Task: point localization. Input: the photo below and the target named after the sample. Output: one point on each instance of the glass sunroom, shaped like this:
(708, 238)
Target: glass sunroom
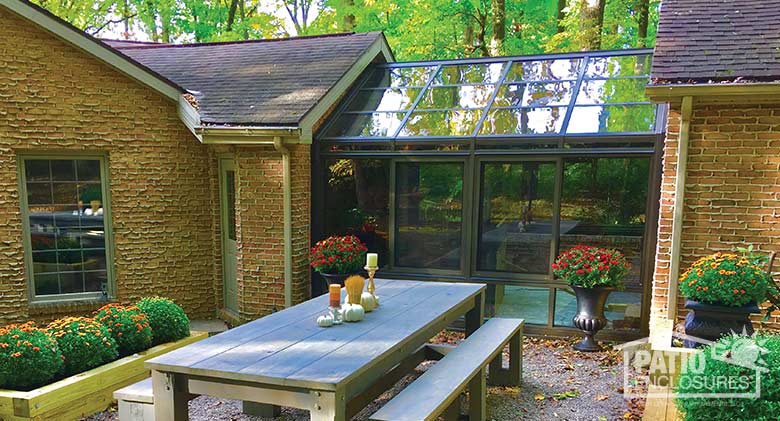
(481, 170)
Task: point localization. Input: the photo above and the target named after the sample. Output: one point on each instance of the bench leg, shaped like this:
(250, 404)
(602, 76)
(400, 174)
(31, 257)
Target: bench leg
(260, 409)
(328, 406)
(477, 396)
(499, 376)
(476, 315)
(170, 396)
(452, 413)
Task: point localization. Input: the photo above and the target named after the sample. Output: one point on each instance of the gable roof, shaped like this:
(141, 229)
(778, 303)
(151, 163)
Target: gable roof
(717, 41)
(264, 82)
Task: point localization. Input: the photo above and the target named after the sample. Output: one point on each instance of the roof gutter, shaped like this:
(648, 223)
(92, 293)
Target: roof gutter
(676, 92)
(246, 135)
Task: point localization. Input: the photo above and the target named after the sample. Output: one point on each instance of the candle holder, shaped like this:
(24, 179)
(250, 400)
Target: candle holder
(371, 271)
(335, 313)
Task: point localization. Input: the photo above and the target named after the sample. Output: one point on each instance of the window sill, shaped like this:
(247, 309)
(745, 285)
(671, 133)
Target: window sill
(79, 305)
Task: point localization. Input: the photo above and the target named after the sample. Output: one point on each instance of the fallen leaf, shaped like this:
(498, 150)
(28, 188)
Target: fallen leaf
(538, 397)
(601, 397)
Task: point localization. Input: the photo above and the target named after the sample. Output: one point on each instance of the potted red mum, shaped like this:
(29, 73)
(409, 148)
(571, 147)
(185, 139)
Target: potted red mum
(593, 273)
(722, 291)
(336, 258)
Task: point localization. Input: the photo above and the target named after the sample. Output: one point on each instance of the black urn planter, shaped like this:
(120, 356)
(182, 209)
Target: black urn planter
(711, 321)
(339, 278)
(590, 315)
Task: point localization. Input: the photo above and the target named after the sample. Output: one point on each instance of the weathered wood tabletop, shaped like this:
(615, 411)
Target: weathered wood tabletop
(286, 359)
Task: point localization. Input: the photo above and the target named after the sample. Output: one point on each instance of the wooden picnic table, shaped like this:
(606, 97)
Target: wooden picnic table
(285, 359)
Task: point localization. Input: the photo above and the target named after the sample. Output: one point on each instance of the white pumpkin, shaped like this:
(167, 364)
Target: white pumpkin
(368, 302)
(352, 312)
(325, 321)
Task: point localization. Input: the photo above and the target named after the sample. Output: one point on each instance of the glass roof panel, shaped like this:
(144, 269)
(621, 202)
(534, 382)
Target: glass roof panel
(387, 99)
(589, 92)
(465, 96)
(534, 94)
(612, 119)
(560, 69)
(366, 125)
(605, 67)
(469, 73)
(399, 76)
(513, 121)
(441, 123)
(600, 91)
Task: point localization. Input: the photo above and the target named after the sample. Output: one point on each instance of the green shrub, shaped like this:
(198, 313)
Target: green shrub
(725, 279)
(85, 343)
(714, 369)
(168, 321)
(128, 326)
(29, 357)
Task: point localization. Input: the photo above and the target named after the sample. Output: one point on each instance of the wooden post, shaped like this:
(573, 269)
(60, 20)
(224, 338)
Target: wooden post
(328, 406)
(170, 396)
(477, 393)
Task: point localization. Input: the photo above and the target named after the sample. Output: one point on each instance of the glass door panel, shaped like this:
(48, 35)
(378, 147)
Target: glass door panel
(516, 217)
(428, 214)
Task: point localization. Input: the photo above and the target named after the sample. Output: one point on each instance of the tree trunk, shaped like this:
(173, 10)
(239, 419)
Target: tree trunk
(349, 19)
(499, 27)
(232, 15)
(561, 15)
(644, 19)
(592, 20)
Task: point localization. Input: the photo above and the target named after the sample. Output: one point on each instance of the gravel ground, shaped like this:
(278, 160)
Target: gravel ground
(558, 384)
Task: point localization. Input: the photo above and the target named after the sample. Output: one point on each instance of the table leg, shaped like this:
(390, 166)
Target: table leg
(170, 396)
(476, 315)
(328, 406)
(263, 410)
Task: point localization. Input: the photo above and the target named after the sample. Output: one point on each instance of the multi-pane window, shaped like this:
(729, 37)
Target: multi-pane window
(65, 212)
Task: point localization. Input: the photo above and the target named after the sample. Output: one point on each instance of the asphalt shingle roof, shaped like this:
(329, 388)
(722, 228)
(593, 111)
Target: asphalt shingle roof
(706, 41)
(264, 82)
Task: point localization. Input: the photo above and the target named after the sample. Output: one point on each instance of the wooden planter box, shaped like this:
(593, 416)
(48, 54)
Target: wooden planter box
(85, 393)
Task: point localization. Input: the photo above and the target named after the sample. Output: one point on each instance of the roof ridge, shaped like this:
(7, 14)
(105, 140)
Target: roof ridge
(150, 45)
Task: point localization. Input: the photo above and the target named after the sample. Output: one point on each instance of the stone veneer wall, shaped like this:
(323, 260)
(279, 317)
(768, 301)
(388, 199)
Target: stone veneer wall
(733, 188)
(54, 97)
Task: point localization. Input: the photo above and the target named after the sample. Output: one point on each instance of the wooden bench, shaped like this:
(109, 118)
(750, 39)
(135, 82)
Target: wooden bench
(436, 392)
(136, 403)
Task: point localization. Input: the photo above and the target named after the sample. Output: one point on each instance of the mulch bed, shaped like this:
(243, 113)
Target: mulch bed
(558, 384)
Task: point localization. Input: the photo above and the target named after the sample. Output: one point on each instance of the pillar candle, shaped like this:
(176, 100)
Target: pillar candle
(372, 259)
(335, 295)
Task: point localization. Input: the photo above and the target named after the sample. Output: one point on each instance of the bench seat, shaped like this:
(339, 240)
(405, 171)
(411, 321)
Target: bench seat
(436, 391)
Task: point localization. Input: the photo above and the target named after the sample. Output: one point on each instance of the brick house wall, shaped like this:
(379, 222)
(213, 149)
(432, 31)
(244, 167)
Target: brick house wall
(260, 228)
(54, 97)
(732, 192)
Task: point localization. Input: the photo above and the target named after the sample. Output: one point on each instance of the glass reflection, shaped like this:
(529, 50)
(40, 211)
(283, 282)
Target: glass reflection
(441, 123)
(469, 73)
(509, 121)
(429, 215)
(606, 67)
(604, 204)
(399, 77)
(623, 309)
(612, 119)
(516, 217)
(445, 97)
(534, 94)
(528, 303)
(67, 234)
(366, 125)
(357, 201)
(389, 99)
(602, 91)
(562, 69)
